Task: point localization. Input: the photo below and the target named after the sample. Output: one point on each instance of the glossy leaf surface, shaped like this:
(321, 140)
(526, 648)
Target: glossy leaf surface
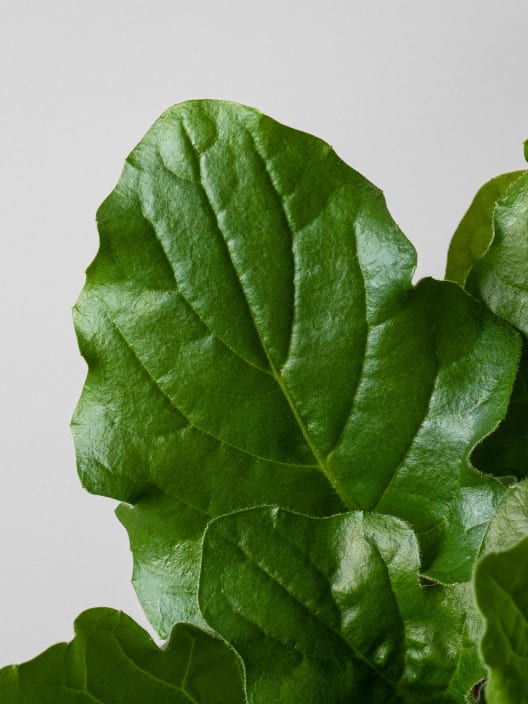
(500, 583)
(489, 250)
(112, 660)
(475, 232)
(500, 277)
(254, 338)
(331, 610)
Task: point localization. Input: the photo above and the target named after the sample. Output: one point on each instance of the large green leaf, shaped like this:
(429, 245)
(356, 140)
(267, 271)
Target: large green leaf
(254, 338)
(475, 233)
(112, 660)
(330, 610)
(502, 596)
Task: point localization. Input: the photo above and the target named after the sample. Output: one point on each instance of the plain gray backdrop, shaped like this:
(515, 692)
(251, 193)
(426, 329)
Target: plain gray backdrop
(428, 100)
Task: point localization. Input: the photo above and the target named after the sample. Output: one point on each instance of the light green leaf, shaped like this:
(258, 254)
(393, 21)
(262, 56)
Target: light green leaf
(254, 338)
(475, 232)
(502, 596)
(330, 610)
(112, 660)
(510, 522)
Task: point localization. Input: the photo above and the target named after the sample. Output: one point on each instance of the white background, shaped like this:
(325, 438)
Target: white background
(428, 100)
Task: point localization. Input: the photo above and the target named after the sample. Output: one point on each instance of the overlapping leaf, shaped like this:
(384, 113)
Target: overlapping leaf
(500, 277)
(475, 233)
(500, 583)
(253, 338)
(510, 522)
(111, 659)
(488, 254)
(330, 610)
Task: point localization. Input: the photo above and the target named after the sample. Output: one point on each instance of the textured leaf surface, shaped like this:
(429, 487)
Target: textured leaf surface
(112, 660)
(500, 277)
(510, 522)
(330, 610)
(490, 247)
(500, 583)
(253, 338)
(475, 233)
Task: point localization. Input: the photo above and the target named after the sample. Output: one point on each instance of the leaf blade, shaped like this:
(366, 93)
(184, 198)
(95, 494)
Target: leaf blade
(500, 585)
(328, 609)
(112, 659)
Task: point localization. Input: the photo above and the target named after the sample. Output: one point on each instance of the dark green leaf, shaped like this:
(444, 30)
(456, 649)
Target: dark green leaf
(330, 610)
(505, 452)
(254, 338)
(112, 660)
(502, 596)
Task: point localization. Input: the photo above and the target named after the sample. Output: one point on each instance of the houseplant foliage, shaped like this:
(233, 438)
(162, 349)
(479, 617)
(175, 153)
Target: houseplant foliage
(314, 457)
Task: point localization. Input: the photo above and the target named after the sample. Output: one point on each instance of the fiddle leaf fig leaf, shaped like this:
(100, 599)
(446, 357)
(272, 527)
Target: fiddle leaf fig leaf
(111, 659)
(253, 338)
(489, 254)
(330, 609)
(500, 584)
(475, 232)
(500, 277)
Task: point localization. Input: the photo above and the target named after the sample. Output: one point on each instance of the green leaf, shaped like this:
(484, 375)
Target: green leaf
(330, 610)
(490, 250)
(500, 277)
(500, 585)
(510, 522)
(475, 233)
(111, 660)
(253, 338)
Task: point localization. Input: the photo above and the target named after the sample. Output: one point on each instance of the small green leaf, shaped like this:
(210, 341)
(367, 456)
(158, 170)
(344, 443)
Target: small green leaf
(330, 610)
(500, 277)
(502, 596)
(475, 233)
(490, 250)
(111, 660)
